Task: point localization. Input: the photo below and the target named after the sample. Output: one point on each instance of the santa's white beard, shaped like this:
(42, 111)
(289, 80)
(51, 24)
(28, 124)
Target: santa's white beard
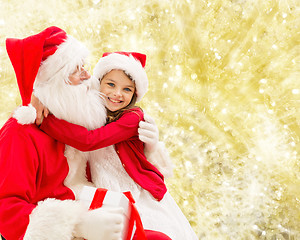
(80, 104)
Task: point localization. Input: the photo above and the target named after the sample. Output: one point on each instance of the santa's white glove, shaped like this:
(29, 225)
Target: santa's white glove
(148, 133)
(101, 224)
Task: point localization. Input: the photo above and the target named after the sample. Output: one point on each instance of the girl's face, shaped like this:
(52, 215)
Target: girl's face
(118, 89)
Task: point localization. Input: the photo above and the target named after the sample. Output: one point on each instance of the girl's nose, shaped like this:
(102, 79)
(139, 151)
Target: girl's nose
(117, 92)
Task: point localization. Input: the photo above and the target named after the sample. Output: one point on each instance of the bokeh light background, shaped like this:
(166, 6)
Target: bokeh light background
(224, 91)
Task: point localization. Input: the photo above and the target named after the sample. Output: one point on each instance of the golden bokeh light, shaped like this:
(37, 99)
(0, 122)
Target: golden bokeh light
(224, 90)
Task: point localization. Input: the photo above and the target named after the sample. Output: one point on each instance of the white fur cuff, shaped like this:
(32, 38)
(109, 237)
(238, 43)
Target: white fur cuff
(54, 219)
(161, 160)
(25, 114)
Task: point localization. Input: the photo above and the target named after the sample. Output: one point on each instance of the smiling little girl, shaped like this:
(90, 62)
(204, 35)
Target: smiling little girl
(123, 82)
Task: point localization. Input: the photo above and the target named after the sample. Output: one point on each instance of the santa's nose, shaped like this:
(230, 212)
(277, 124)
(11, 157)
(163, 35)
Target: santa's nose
(84, 74)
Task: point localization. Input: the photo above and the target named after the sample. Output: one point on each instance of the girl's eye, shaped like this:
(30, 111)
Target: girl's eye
(127, 89)
(111, 84)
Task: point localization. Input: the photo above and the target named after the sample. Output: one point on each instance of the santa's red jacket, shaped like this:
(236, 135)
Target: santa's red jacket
(32, 169)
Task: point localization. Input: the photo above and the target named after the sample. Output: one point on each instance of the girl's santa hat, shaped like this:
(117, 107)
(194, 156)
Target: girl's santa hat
(39, 58)
(132, 63)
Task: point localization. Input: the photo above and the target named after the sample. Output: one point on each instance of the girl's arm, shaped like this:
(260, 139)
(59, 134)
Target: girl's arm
(84, 140)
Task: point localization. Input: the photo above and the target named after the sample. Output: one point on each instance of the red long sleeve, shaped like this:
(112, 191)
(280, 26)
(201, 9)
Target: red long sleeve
(85, 140)
(122, 133)
(16, 193)
(32, 168)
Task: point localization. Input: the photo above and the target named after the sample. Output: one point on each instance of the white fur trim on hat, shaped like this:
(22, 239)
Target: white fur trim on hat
(129, 65)
(64, 61)
(25, 114)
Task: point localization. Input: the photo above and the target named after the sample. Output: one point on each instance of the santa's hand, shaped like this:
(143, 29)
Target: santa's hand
(148, 133)
(101, 224)
(41, 110)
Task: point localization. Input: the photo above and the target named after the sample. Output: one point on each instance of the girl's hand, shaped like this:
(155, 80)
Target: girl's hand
(41, 110)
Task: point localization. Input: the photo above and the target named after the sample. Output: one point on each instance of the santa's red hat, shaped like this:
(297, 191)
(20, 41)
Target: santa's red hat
(40, 57)
(132, 63)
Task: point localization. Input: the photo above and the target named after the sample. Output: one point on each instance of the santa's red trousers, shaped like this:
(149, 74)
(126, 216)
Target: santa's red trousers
(153, 235)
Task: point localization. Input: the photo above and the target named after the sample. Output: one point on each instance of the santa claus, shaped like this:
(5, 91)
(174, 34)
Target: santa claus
(42, 177)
